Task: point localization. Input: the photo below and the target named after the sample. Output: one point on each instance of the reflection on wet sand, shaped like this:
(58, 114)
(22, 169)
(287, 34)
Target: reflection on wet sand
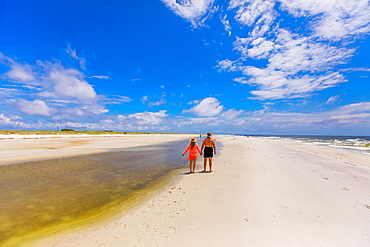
(39, 198)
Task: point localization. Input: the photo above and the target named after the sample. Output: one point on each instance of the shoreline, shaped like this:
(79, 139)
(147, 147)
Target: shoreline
(28, 147)
(261, 193)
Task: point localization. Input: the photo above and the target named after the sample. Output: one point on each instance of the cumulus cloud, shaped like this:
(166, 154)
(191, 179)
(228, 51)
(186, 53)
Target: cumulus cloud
(70, 83)
(66, 90)
(17, 72)
(13, 121)
(144, 118)
(35, 108)
(231, 114)
(194, 11)
(20, 72)
(207, 108)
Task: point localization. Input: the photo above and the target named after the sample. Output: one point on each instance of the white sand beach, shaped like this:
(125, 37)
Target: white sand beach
(262, 193)
(25, 147)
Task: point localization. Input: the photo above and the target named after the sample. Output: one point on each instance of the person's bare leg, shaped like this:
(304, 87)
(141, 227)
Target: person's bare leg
(194, 165)
(205, 164)
(210, 164)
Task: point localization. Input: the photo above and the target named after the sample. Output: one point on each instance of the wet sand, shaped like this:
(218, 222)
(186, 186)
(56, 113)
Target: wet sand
(261, 193)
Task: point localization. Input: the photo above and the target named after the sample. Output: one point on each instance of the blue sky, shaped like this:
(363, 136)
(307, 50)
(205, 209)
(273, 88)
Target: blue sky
(239, 66)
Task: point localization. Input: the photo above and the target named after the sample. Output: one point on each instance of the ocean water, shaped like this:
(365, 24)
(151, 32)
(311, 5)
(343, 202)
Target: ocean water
(43, 197)
(356, 144)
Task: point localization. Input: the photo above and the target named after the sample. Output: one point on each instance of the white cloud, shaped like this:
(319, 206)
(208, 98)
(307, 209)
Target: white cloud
(66, 89)
(348, 119)
(101, 77)
(242, 80)
(339, 18)
(8, 92)
(333, 99)
(73, 54)
(194, 102)
(13, 121)
(288, 56)
(229, 65)
(207, 108)
(226, 24)
(66, 113)
(231, 114)
(69, 83)
(35, 108)
(258, 14)
(194, 11)
(161, 101)
(356, 69)
(144, 118)
(301, 60)
(256, 48)
(356, 108)
(277, 85)
(21, 73)
(115, 99)
(294, 53)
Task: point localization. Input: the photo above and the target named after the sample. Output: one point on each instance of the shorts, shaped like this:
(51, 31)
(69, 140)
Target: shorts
(208, 152)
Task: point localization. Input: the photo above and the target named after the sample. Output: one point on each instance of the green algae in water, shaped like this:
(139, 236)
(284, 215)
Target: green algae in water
(41, 197)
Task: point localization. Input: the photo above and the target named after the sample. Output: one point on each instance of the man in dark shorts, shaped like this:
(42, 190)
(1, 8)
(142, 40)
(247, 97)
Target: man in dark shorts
(209, 148)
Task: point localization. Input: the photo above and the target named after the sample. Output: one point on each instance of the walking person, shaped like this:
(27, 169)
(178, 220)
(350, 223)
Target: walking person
(193, 149)
(209, 146)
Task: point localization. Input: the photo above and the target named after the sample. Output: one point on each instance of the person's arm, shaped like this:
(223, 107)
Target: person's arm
(187, 149)
(199, 150)
(214, 146)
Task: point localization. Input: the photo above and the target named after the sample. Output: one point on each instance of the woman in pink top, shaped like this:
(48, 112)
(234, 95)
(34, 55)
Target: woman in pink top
(193, 154)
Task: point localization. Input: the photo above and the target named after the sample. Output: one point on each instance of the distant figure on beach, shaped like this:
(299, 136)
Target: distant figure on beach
(209, 148)
(193, 149)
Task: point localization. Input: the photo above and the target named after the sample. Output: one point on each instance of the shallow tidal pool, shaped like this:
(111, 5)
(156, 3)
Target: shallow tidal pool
(44, 197)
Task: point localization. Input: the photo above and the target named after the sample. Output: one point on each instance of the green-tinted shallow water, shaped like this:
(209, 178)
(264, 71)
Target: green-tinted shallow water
(40, 198)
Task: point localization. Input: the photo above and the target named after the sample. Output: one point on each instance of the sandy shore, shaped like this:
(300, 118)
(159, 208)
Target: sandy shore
(25, 147)
(261, 193)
